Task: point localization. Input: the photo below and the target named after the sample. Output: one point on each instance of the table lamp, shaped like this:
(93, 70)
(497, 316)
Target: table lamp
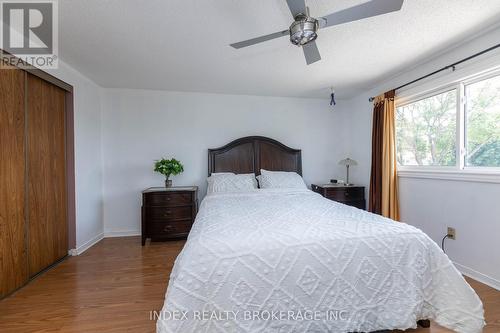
(348, 162)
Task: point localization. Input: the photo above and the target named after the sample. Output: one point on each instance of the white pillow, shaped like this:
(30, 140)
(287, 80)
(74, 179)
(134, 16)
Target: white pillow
(280, 179)
(230, 182)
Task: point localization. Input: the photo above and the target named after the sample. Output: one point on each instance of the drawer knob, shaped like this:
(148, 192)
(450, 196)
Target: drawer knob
(346, 193)
(167, 213)
(167, 228)
(168, 198)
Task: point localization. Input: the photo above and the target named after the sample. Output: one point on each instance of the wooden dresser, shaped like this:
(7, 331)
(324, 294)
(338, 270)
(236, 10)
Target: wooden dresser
(168, 213)
(349, 195)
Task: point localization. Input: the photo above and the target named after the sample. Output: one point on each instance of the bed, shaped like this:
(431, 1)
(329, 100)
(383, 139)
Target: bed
(289, 260)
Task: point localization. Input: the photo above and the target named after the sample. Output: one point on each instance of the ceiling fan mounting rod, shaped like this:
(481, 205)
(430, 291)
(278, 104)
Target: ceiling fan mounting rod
(300, 17)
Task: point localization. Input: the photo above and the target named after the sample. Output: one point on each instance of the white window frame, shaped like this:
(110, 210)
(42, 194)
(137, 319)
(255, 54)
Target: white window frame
(417, 98)
(460, 171)
(469, 81)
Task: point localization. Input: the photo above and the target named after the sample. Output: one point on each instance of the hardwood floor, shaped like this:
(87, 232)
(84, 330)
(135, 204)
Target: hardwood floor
(113, 287)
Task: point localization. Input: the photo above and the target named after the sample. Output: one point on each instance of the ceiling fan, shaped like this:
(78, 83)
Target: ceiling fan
(304, 30)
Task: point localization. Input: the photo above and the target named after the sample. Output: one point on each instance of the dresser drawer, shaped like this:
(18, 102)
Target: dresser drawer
(345, 194)
(168, 199)
(169, 213)
(169, 229)
(361, 204)
(349, 195)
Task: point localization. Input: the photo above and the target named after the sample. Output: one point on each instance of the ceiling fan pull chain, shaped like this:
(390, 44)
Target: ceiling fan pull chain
(332, 101)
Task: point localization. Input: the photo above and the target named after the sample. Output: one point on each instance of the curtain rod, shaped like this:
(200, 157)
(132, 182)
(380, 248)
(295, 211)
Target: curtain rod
(452, 66)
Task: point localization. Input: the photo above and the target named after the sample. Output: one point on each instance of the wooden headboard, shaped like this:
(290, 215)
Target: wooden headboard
(252, 153)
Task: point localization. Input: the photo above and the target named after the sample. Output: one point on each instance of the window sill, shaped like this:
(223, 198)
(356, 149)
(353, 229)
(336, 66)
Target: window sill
(453, 175)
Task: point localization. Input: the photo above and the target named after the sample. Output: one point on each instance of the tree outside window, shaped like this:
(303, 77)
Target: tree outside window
(483, 123)
(426, 129)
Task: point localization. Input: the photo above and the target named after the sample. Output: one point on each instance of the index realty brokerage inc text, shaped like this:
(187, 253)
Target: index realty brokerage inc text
(331, 315)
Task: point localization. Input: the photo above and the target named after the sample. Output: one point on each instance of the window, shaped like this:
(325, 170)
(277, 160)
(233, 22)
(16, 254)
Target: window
(456, 127)
(482, 123)
(426, 131)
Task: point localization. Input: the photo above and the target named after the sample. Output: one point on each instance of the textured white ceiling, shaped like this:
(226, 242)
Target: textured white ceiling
(182, 45)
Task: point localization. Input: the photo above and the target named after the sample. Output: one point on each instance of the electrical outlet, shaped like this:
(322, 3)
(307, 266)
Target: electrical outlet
(451, 233)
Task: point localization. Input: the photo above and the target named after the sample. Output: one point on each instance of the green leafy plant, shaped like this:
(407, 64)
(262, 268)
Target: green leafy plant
(168, 167)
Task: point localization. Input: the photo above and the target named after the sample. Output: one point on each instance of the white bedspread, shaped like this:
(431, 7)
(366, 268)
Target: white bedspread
(292, 261)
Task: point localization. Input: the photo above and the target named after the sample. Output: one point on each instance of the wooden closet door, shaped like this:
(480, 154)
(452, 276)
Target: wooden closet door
(46, 169)
(13, 264)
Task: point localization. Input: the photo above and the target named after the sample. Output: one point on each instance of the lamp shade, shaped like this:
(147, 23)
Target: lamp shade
(348, 162)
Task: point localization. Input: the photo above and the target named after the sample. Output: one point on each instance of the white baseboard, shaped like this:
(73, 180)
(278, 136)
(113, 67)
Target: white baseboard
(469, 272)
(122, 233)
(85, 246)
(108, 234)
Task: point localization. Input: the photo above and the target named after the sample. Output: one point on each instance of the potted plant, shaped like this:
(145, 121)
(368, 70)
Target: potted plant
(168, 168)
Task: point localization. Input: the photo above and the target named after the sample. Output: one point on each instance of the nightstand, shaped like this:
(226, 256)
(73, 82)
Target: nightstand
(349, 195)
(168, 213)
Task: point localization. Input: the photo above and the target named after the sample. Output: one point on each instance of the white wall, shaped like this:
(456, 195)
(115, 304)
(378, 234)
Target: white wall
(141, 126)
(88, 162)
(472, 208)
(429, 204)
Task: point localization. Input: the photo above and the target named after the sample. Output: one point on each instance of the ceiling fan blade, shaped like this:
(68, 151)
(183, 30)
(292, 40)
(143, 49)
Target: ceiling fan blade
(311, 52)
(297, 7)
(260, 39)
(365, 10)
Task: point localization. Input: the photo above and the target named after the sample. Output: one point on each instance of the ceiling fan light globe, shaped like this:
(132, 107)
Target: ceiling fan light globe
(303, 37)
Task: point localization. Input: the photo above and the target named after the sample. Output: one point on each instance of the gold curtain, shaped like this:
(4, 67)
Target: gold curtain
(383, 180)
